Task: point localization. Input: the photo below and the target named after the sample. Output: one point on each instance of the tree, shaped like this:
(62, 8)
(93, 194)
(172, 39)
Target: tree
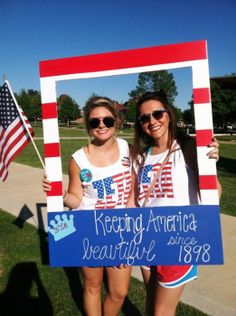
(30, 101)
(68, 109)
(188, 114)
(223, 105)
(155, 81)
(130, 110)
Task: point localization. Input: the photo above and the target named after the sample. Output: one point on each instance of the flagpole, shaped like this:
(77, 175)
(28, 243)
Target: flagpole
(25, 125)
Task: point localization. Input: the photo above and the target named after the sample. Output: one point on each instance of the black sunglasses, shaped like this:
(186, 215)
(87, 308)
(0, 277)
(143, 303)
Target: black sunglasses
(157, 115)
(108, 121)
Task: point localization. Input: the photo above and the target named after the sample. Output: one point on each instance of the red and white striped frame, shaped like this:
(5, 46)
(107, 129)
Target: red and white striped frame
(192, 54)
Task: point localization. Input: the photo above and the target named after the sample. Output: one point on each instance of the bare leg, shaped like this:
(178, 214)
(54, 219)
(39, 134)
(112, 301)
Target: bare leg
(118, 285)
(149, 282)
(92, 278)
(166, 300)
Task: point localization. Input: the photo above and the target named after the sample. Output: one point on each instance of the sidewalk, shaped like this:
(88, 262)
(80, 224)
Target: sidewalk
(213, 293)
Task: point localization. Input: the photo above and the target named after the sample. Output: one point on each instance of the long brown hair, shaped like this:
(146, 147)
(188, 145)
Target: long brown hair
(143, 141)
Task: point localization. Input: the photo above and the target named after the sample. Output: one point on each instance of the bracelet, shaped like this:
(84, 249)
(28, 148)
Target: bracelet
(64, 194)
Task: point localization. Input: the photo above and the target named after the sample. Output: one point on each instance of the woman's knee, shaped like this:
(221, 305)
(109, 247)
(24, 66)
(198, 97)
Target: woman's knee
(92, 286)
(119, 293)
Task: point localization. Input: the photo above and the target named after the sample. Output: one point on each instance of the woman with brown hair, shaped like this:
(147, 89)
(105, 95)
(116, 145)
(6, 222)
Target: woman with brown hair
(165, 161)
(100, 178)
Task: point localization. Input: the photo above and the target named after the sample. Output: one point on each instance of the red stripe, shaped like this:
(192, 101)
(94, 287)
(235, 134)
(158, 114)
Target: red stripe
(13, 144)
(52, 150)
(56, 189)
(18, 151)
(204, 137)
(49, 110)
(14, 154)
(201, 95)
(8, 143)
(125, 59)
(11, 130)
(207, 182)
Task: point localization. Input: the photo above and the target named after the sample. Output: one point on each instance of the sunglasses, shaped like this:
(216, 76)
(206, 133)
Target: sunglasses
(108, 121)
(157, 115)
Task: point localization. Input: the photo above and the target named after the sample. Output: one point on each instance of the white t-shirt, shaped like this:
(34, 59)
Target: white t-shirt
(105, 187)
(176, 185)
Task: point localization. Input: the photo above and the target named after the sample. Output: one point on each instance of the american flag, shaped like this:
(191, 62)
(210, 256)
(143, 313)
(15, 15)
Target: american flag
(13, 134)
(163, 187)
(120, 194)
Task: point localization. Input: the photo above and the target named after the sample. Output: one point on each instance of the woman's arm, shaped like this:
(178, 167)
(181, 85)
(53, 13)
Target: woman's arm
(73, 196)
(190, 152)
(214, 154)
(132, 200)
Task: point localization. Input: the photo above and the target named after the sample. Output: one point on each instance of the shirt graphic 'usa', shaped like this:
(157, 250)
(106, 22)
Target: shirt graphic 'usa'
(164, 185)
(113, 191)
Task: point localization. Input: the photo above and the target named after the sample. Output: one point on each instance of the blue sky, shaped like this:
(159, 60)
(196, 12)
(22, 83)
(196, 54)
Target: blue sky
(33, 30)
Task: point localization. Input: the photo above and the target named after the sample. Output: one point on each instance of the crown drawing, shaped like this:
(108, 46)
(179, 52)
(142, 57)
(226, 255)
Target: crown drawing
(62, 226)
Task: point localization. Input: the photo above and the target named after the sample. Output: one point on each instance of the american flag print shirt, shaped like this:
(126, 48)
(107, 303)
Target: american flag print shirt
(176, 184)
(105, 187)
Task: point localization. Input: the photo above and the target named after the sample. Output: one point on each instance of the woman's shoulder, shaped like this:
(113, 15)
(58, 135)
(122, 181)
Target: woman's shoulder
(121, 141)
(80, 153)
(123, 144)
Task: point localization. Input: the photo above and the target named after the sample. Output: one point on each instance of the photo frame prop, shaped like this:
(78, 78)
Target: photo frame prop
(193, 55)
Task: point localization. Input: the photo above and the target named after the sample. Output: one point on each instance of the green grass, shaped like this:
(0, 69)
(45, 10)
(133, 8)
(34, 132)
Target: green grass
(28, 283)
(74, 131)
(227, 175)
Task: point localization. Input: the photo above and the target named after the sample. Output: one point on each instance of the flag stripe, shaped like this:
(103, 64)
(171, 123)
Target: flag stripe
(13, 133)
(8, 138)
(14, 147)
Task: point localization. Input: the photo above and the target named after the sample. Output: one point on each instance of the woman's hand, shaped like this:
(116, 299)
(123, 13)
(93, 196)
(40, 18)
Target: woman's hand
(47, 187)
(46, 184)
(214, 153)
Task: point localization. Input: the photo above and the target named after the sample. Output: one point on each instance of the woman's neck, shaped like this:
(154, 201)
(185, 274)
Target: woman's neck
(103, 145)
(160, 145)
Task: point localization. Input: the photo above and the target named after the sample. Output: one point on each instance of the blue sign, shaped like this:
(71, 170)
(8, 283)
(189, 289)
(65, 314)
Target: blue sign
(178, 235)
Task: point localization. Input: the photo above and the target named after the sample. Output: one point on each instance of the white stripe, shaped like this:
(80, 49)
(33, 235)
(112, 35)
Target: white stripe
(55, 204)
(200, 74)
(206, 166)
(48, 90)
(50, 131)
(12, 138)
(15, 148)
(203, 116)
(10, 128)
(169, 285)
(209, 197)
(4, 172)
(53, 168)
